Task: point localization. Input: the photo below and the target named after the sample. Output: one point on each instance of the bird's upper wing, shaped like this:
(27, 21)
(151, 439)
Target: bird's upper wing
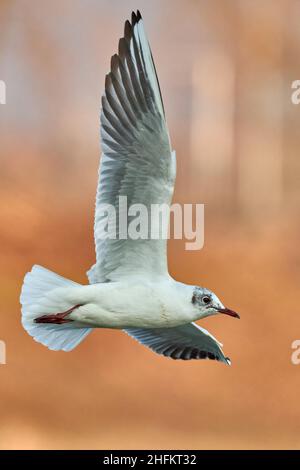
(137, 161)
(181, 342)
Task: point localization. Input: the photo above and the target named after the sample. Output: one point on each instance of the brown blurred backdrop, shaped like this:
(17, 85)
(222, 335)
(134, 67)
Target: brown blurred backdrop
(225, 69)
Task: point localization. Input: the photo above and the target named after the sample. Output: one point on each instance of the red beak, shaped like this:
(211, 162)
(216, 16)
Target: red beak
(227, 311)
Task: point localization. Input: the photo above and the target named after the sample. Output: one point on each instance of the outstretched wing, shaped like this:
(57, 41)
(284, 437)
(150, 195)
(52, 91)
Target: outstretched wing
(137, 161)
(181, 342)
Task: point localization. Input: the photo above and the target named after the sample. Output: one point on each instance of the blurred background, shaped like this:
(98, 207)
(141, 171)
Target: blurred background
(225, 69)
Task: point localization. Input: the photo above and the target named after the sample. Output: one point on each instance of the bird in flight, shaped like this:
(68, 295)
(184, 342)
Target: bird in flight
(129, 287)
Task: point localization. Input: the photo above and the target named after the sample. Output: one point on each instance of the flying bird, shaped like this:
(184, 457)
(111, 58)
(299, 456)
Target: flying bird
(129, 287)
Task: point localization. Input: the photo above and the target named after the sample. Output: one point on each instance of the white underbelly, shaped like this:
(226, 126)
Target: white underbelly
(130, 306)
(97, 316)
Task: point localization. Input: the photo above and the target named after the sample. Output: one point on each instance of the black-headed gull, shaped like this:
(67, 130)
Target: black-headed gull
(130, 287)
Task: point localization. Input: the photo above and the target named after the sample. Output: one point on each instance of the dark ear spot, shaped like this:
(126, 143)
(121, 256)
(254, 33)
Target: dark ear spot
(194, 298)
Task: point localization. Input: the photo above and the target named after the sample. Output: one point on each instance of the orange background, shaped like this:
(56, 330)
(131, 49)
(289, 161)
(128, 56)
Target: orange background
(225, 70)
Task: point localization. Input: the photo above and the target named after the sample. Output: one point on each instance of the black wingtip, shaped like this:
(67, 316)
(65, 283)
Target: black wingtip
(127, 30)
(134, 19)
(107, 81)
(114, 63)
(122, 47)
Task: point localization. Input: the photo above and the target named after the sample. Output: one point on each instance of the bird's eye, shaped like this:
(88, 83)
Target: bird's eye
(206, 299)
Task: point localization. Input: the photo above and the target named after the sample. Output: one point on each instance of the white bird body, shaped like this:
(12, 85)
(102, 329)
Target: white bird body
(134, 303)
(130, 286)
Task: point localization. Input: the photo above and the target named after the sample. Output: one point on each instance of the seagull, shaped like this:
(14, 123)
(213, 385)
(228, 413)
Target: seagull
(129, 288)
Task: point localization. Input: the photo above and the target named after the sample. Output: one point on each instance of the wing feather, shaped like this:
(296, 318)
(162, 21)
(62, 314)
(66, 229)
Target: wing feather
(137, 161)
(182, 342)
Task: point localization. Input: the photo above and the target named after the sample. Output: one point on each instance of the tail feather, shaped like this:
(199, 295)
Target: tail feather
(35, 300)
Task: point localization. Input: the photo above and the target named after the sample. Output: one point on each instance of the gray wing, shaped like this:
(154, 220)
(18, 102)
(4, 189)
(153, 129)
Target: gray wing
(181, 342)
(137, 161)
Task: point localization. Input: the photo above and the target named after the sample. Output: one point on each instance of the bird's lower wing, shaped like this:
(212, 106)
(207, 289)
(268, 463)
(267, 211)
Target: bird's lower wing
(180, 342)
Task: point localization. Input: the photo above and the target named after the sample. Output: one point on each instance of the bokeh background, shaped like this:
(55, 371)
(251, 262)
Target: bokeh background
(226, 69)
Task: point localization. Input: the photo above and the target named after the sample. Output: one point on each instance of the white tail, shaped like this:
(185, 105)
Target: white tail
(37, 283)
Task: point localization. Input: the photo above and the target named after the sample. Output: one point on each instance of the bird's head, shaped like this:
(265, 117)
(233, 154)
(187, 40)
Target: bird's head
(207, 303)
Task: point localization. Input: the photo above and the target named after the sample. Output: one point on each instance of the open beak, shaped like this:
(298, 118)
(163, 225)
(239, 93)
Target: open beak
(227, 311)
